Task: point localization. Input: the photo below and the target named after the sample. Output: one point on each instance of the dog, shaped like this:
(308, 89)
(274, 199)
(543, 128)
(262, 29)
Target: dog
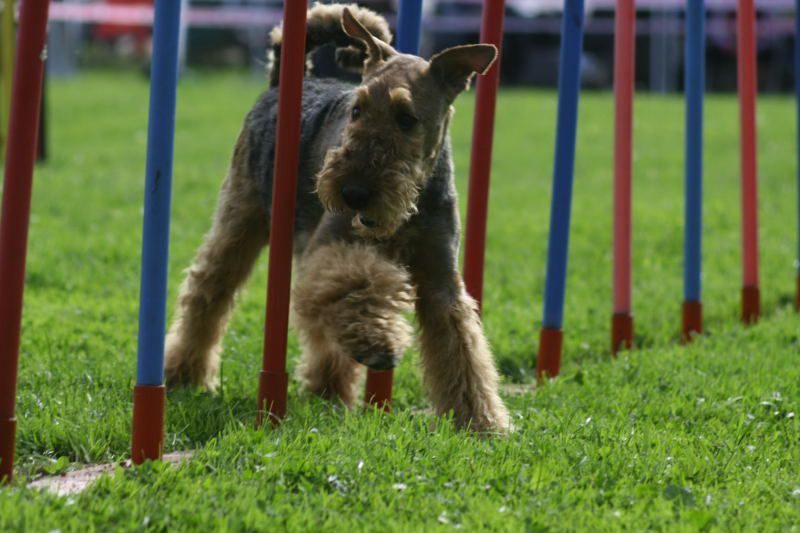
(376, 227)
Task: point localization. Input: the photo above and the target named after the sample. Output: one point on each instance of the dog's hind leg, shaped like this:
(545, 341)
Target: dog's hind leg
(348, 308)
(222, 264)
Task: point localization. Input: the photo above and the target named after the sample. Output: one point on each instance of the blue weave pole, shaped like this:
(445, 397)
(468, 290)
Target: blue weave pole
(797, 92)
(158, 192)
(409, 23)
(563, 172)
(694, 76)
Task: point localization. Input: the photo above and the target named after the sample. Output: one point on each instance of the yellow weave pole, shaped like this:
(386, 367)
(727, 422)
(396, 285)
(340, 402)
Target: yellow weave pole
(7, 43)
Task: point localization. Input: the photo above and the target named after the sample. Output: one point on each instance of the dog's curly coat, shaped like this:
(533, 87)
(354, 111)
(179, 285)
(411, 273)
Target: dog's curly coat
(376, 229)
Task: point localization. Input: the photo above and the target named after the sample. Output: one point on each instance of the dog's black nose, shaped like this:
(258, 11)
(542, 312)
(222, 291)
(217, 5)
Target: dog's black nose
(355, 197)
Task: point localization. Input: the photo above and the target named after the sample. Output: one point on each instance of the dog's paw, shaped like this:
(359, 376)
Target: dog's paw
(377, 359)
(491, 418)
(176, 376)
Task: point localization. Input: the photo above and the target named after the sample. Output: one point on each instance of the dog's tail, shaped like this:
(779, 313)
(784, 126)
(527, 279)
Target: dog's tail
(324, 25)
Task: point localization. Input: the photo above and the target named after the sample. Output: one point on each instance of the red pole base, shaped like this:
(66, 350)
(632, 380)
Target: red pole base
(621, 332)
(273, 389)
(751, 305)
(8, 430)
(548, 362)
(692, 320)
(797, 295)
(147, 442)
(379, 389)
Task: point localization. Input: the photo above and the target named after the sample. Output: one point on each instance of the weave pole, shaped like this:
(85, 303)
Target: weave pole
(149, 394)
(273, 380)
(797, 94)
(16, 209)
(694, 85)
(6, 67)
(746, 52)
(378, 389)
(41, 140)
(480, 167)
(624, 79)
(548, 361)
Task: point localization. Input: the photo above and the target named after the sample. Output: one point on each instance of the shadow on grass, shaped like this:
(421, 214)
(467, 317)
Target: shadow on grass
(195, 417)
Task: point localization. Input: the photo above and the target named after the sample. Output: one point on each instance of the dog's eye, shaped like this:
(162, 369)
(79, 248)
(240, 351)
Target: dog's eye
(405, 121)
(355, 113)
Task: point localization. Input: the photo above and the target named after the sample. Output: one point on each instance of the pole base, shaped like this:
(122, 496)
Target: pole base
(548, 361)
(751, 305)
(273, 389)
(8, 431)
(147, 442)
(621, 332)
(379, 389)
(692, 320)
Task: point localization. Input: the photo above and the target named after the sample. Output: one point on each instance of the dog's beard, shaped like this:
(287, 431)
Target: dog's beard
(396, 195)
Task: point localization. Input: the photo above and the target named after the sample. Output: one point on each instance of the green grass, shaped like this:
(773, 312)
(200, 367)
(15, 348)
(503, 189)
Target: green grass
(666, 437)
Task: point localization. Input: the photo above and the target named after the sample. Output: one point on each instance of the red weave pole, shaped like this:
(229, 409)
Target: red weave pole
(273, 382)
(548, 360)
(17, 186)
(378, 389)
(624, 69)
(746, 39)
(692, 323)
(481, 155)
(147, 439)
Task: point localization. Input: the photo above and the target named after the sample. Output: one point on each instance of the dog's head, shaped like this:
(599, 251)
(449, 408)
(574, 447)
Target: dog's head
(397, 126)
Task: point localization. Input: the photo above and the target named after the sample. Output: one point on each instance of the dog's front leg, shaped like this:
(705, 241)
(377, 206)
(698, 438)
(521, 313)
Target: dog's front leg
(457, 364)
(348, 307)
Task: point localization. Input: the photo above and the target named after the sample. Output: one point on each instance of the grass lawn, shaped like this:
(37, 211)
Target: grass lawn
(666, 437)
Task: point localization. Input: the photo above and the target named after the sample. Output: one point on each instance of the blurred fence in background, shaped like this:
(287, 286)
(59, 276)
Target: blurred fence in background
(220, 33)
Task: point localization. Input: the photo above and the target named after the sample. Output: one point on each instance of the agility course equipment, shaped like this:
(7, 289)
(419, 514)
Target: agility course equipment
(694, 81)
(149, 393)
(15, 217)
(274, 381)
(797, 110)
(548, 361)
(746, 54)
(409, 21)
(624, 68)
(480, 167)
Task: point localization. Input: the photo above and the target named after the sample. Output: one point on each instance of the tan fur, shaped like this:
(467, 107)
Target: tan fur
(395, 163)
(222, 264)
(348, 305)
(400, 96)
(458, 369)
(355, 283)
(375, 153)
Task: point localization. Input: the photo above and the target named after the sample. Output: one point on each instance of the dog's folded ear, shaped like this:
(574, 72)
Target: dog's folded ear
(454, 67)
(377, 50)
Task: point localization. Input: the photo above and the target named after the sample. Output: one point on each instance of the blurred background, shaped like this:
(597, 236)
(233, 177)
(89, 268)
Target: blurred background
(234, 34)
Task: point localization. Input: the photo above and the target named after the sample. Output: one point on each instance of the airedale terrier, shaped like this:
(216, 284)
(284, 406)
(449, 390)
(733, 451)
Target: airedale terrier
(376, 230)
